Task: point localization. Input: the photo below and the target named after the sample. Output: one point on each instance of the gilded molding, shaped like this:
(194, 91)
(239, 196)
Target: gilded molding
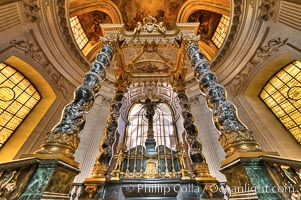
(261, 54)
(149, 25)
(60, 181)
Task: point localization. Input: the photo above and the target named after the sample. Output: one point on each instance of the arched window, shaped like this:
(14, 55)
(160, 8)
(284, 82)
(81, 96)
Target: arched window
(17, 98)
(282, 94)
(78, 32)
(221, 31)
(164, 132)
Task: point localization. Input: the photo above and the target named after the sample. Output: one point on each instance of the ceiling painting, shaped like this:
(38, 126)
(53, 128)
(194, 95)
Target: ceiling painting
(90, 22)
(208, 23)
(134, 11)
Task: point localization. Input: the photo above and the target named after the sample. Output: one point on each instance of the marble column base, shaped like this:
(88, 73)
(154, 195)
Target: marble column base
(246, 173)
(151, 189)
(51, 180)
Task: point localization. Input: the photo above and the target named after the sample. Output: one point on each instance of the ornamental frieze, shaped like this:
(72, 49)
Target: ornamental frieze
(31, 10)
(261, 54)
(33, 51)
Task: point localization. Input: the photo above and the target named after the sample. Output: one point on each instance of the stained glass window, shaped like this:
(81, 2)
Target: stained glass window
(282, 94)
(79, 34)
(164, 133)
(17, 98)
(220, 32)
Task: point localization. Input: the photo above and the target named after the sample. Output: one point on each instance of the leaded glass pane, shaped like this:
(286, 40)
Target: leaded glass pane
(164, 132)
(282, 94)
(78, 32)
(220, 32)
(17, 98)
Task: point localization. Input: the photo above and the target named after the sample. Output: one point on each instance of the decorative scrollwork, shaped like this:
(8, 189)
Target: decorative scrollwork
(286, 174)
(261, 54)
(31, 10)
(28, 48)
(149, 25)
(8, 182)
(267, 9)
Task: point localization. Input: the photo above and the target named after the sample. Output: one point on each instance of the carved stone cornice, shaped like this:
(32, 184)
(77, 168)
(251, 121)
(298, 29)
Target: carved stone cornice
(53, 34)
(31, 10)
(29, 49)
(243, 37)
(266, 9)
(261, 54)
(33, 51)
(183, 30)
(76, 8)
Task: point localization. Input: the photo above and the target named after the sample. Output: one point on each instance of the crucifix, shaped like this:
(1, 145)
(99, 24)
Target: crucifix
(150, 142)
(149, 114)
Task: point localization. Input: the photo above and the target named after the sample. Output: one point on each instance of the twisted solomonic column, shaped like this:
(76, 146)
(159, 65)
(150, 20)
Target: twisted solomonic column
(101, 165)
(64, 137)
(199, 165)
(235, 136)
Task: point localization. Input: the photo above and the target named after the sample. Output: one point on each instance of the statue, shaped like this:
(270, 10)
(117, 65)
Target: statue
(181, 156)
(119, 161)
(149, 106)
(149, 24)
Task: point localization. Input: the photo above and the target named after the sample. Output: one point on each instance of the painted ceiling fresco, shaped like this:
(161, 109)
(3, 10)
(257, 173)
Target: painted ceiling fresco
(90, 22)
(208, 23)
(134, 11)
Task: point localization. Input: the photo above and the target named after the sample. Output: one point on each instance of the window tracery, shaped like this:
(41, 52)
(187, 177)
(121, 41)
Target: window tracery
(17, 98)
(282, 94)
